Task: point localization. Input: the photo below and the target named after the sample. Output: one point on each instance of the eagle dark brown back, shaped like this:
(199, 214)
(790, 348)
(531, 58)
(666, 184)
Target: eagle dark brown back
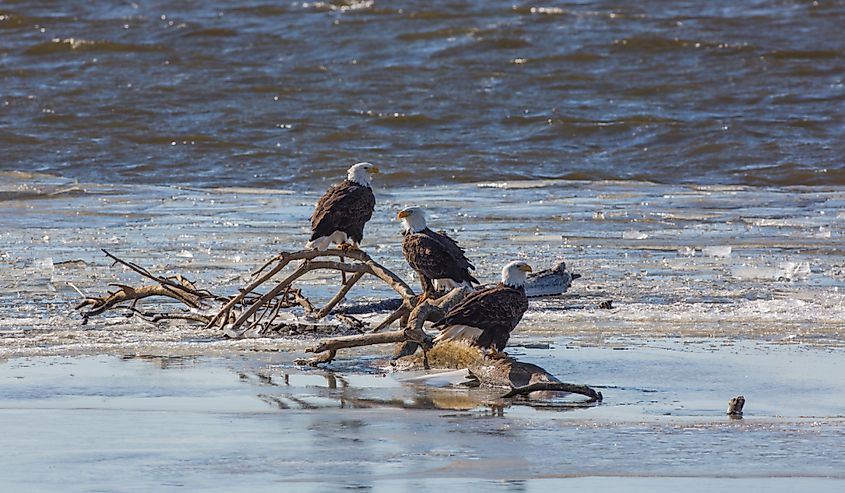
(436, 256)
(496, 311)
(345, 207)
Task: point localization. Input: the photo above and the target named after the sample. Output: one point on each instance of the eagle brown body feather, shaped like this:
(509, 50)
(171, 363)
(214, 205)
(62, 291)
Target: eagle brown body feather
(434, 255)
(346, 206)
(495, 311)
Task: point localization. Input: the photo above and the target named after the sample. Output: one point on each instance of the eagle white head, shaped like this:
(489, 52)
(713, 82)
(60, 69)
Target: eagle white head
(360, 173)
(515, 273)
(413, 219)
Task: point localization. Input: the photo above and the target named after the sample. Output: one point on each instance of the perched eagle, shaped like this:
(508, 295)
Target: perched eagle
(486, 317)
(437, 259)
(343, 210)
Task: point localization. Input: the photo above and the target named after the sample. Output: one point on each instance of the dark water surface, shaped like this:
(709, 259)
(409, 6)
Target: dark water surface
(258, 93)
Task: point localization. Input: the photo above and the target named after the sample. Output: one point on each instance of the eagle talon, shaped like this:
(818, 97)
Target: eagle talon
(347, 247)
(424, 297)
(496, 354)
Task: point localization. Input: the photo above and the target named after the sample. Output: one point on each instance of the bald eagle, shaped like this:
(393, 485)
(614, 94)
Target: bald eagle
(343, 210)
(437, 259)
(486, 317)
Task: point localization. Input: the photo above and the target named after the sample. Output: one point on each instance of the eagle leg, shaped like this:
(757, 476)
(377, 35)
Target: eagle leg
(347, 246)
(495, 354)
(428, 292)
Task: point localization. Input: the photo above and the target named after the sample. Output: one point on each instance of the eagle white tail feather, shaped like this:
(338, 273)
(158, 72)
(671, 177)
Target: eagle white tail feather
(448, 284)
(459, 333)
(322, 243)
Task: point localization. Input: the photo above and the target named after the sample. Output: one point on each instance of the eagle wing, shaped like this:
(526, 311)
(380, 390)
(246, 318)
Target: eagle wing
(346, 206)
(496, 311)
(452, 248)
(430, 258)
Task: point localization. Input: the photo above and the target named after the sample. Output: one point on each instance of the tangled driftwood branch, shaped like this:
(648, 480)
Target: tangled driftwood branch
(236, 325)
(258, 313)
(176, 287)
(250, 310)
(412, 335)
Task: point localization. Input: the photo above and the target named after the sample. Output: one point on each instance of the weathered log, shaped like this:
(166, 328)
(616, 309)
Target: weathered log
(521, 378)
(347, 342)
(735, 406)
(556, 387)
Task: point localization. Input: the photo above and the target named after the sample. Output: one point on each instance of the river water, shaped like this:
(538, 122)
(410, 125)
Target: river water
(266, 93)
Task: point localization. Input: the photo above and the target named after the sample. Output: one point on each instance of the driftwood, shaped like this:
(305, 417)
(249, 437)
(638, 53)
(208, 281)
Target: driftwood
(555, 387)
(735, 406)
(237, 325)
(176, 287)
(252, 312)
(521, 378)
(413, 335)
(249, 311)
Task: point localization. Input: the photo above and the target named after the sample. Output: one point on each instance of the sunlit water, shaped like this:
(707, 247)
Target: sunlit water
(261, 92)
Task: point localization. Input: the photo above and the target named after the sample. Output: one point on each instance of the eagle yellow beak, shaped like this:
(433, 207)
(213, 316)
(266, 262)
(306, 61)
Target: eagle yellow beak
(374, 170)
(525, 268)
(403, 214)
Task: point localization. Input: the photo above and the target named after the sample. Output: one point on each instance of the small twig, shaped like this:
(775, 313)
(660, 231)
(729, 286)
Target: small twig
(301, 300)
(128, 293)
(77, 290)
(352, 322)
(157, 316)
(184, 285)
(277, 258)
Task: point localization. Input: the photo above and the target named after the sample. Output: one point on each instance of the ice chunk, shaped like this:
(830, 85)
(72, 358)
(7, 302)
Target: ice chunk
(751, 272)
(633, 234)
(784, 271)
(550, 282)
(791, 271)
(717, 251)
(687, 251)
(822, 233)
(44, 264)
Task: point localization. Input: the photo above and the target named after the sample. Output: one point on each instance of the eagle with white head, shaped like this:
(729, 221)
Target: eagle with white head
(343, 210)
(486, 317)
(436, 258)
